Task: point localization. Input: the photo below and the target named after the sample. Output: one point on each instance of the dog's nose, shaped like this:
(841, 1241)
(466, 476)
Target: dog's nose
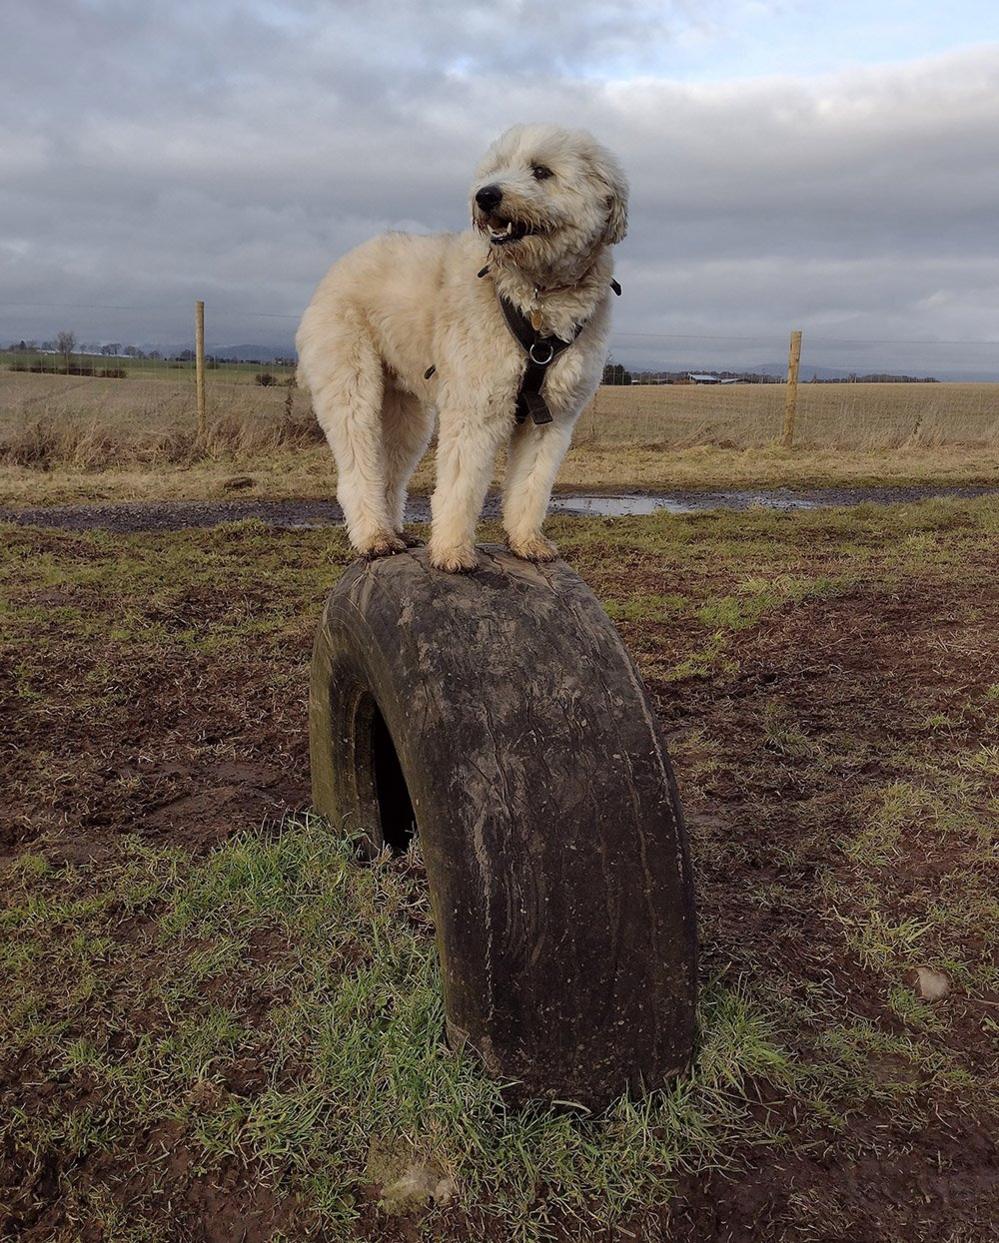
(489, 197)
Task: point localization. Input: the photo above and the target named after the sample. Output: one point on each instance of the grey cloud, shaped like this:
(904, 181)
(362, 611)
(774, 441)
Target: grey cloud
(231, 152)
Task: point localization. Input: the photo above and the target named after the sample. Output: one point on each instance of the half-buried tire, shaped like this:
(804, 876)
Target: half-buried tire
(499, 715)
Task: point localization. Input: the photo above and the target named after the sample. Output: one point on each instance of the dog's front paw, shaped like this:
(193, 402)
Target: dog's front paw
(535, 548)
(458, 560)
(383, 545)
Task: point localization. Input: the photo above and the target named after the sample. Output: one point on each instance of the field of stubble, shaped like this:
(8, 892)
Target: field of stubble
(79, 438)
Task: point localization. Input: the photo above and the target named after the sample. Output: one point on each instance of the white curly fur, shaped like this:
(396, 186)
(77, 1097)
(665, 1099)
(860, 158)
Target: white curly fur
(400, 303)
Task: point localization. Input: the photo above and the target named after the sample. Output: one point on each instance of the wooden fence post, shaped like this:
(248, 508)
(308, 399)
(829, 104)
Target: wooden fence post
(199, 364)
(791, 394)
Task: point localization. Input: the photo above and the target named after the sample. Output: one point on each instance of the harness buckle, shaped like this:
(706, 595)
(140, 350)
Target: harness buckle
(541, 362)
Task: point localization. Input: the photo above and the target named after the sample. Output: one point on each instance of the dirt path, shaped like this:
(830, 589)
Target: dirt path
(308, 514)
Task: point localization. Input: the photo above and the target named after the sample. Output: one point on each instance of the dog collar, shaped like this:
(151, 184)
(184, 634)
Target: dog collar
(615, 285)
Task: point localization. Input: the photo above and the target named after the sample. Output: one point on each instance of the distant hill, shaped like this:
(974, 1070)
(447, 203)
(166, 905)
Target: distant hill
(779, 370)
(283, 351)
(230, 353)
(252, 353)
(807, 371)
(833, 373)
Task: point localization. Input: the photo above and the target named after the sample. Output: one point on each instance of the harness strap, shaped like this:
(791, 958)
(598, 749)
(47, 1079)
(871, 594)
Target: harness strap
(541, 353)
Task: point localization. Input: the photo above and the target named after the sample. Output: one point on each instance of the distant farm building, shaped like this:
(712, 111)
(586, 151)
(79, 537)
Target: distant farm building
(701, 377)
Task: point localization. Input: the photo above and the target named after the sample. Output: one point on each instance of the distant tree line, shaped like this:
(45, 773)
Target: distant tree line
(36, 358)
(614, 373)
(683, 377)
(875, 377)
(63, 355)
(65, 347)
(65, 344)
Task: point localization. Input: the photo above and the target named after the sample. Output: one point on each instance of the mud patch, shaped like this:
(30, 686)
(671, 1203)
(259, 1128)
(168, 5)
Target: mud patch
(312, 514)
(835, 754)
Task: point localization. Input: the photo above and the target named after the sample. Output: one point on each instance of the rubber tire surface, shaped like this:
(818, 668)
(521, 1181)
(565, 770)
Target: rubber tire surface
(547, 812)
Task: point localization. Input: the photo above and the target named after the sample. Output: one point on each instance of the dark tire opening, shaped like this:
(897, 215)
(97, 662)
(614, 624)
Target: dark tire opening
(395, 810)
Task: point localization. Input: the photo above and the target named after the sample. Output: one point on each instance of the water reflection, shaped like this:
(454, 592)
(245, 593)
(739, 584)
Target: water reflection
(628, 505)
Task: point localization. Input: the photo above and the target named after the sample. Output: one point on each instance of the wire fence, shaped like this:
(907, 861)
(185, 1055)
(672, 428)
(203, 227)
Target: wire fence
(662, 389)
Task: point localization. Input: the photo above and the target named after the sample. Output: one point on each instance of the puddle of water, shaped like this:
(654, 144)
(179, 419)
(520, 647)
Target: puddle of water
(314, 515)
(627, 506)
(623, 504)
(616, 506)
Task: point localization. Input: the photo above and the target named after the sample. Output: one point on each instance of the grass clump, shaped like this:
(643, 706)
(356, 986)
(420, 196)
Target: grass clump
(279, 950)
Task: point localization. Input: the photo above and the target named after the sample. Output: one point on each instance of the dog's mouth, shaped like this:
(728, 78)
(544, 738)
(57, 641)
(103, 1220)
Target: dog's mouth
(501, 231)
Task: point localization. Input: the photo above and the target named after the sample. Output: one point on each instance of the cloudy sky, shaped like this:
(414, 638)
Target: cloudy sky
(829, 166)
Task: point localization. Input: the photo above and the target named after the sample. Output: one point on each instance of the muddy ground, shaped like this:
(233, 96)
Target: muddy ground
(156, 692)
(289, 515)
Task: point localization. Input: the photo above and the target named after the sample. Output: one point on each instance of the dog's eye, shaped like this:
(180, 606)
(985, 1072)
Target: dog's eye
(541, 173)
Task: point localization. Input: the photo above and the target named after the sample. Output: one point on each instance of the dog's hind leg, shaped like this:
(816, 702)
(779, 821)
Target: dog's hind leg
(535, 456)
(408, 427)
(347, 398)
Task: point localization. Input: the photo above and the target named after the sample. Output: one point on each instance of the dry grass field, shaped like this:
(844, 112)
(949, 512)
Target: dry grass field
(78, 437)
(870, 417)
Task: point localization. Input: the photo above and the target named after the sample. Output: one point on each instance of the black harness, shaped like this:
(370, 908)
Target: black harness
(541, 352)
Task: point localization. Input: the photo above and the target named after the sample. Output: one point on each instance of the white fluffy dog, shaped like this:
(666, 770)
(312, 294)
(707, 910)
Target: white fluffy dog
(405, 327)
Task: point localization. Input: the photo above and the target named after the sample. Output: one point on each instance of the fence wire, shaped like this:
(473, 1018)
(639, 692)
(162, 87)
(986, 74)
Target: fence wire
(662, 389)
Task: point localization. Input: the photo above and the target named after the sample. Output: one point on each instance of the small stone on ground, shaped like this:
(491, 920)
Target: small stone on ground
(932, 985)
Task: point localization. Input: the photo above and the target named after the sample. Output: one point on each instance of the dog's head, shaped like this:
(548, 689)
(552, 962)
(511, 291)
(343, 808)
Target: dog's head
(545, 196)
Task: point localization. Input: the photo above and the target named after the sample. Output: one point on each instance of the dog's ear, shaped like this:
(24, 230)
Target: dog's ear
(611, 175)
(617, 203)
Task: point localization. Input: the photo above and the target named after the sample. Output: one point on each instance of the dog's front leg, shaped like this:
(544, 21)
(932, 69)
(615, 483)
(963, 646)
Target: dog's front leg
(536, 453)
(467, 441)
